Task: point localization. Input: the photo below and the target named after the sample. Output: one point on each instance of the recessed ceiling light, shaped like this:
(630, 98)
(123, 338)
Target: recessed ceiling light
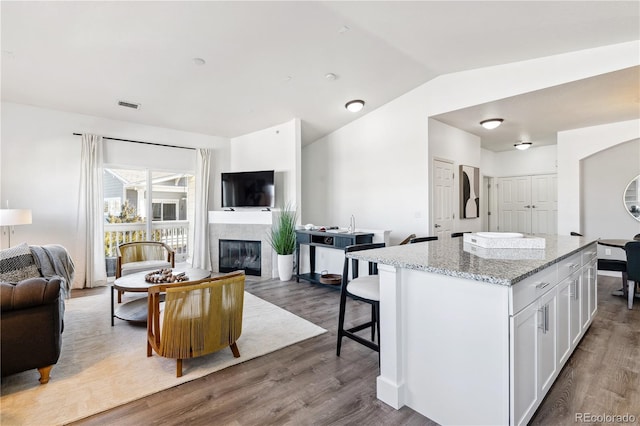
(330, 76)
(355, 105)
(491, 123)
(522, 145)
(199, 61)
(344, 29)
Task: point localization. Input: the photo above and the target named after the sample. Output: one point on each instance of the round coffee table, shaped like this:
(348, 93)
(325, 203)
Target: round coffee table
(136, 310)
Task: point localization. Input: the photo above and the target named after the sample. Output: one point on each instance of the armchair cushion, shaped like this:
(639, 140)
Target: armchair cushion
(144, 265)
(17, 264)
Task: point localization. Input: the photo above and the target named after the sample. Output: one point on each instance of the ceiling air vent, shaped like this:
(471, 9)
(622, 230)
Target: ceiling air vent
(129, 104)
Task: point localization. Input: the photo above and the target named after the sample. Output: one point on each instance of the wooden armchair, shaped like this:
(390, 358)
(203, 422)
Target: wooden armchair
(198, 317)
(138, 256)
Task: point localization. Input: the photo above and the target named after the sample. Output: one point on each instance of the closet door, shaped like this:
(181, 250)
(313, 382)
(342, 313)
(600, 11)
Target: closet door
(544, 204)
(515, 204)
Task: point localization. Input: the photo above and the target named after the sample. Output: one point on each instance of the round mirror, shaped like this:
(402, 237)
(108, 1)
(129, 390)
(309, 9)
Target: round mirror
(632, 198)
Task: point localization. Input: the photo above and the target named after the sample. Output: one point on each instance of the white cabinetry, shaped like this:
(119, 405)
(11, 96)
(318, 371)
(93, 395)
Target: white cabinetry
(559, 305)
(524, 379)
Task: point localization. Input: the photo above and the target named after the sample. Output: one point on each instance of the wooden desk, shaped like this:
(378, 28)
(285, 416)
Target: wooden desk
(327, 239)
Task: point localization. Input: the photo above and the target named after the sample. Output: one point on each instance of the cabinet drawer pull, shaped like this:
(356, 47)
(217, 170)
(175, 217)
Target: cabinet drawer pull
(589, 253)
(572, 265)
(544, 311)
(542, 285)
(574, 290)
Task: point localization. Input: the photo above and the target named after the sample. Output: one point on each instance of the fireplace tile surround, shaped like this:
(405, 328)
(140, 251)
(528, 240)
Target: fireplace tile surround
(242, 225)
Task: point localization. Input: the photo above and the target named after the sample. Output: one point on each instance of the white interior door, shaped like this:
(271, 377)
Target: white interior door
(442, 198)
(515, 204)
(544, 204)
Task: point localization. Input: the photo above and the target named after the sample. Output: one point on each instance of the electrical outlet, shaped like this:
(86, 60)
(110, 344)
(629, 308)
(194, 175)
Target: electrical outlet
(607, 251)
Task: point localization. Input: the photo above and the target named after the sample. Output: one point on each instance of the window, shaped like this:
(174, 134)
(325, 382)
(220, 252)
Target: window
(131, 216)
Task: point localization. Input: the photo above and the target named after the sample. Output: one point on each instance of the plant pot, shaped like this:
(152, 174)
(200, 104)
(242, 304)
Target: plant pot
(110, 266)
(285, 266)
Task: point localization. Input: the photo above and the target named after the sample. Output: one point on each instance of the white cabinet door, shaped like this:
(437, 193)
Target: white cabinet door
(563, 321)
(524, 365)
(585, 313)
(575, 324)
(593, 287)
(547, 353)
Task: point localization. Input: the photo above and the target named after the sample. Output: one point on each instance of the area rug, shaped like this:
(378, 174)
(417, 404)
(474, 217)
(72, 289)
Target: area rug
(102, 366)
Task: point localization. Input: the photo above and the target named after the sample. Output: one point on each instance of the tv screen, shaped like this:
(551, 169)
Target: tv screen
(248, 189)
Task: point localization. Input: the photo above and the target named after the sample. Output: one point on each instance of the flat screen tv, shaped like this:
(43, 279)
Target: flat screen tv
(248, 189)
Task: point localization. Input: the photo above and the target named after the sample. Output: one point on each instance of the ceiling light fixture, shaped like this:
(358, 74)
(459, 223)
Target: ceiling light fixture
(355, 105)
(522, 145)
(491, 123)
(330, 76)
(199, 61)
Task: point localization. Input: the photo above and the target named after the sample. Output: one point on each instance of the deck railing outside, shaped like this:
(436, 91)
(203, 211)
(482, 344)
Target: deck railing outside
(175, 233)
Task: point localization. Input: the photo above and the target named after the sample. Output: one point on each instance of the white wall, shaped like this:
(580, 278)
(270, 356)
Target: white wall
(604, 176)
(377, 167)
(462, 148)
(374, 168)
(533, 161)
(41, 166)
(276, 148)
(575, 145)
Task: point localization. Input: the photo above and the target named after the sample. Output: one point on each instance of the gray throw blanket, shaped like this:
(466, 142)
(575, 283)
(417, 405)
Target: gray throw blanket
(54, 259)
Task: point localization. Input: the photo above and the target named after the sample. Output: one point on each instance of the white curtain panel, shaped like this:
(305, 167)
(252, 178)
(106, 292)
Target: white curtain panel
(91, 214)
(201, 257)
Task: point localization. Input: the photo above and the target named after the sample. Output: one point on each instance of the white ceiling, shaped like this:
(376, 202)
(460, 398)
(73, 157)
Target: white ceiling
(266, 61)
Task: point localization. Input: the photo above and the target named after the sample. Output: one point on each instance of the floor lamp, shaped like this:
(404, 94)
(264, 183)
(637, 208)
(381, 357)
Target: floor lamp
(12, 217)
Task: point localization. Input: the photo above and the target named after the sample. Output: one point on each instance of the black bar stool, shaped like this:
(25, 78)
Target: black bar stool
(365, 289)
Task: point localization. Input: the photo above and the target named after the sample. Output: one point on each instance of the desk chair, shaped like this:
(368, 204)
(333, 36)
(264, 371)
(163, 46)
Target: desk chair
(365, 289)
(422, 239)
(632, 249)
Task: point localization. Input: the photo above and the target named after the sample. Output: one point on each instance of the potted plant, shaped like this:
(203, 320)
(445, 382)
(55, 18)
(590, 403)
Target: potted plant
(283, 240)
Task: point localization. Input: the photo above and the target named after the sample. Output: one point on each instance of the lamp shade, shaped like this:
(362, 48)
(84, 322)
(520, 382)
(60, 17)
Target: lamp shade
(10, 217)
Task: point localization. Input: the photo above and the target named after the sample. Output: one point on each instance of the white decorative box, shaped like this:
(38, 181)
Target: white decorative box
(512, 240)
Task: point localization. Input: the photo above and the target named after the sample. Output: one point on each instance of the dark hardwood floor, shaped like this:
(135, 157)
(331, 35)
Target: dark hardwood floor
(306, 384)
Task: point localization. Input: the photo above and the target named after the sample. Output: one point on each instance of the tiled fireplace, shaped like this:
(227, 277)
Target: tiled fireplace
(241, 227)
(234, 255)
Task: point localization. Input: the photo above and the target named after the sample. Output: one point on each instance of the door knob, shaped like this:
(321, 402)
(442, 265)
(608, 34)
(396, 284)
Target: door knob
(436, 226)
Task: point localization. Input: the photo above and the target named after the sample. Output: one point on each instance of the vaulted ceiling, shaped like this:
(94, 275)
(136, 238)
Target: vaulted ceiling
(267, 62)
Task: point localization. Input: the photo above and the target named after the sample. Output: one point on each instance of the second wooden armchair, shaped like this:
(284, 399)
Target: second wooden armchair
(198, 318)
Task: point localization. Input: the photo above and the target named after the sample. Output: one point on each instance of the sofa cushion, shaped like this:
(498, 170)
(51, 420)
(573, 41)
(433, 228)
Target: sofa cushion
(145, 265)
(17, 264)
(29, 293)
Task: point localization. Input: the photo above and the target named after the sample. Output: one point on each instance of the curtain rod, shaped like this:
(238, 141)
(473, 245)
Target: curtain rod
(144, 143)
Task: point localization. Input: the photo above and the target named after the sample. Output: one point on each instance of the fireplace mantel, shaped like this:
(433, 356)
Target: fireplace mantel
(256, 217)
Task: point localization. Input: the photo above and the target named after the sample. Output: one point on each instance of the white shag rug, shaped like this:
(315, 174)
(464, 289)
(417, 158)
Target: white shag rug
(101, 367)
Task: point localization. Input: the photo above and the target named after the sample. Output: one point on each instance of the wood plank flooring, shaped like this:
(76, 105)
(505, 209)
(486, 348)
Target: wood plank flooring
(306, 384)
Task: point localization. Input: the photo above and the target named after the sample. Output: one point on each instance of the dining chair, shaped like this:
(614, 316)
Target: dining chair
(406, 240)
(365, 289)
(197, 318)
(459, 234)
(632, 250)
(422, 239)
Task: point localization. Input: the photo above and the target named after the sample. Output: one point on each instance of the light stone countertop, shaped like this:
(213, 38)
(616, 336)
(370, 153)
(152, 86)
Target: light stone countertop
(455, 258)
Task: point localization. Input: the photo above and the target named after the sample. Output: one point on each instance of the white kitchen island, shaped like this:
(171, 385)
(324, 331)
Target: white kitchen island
(478, 336)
